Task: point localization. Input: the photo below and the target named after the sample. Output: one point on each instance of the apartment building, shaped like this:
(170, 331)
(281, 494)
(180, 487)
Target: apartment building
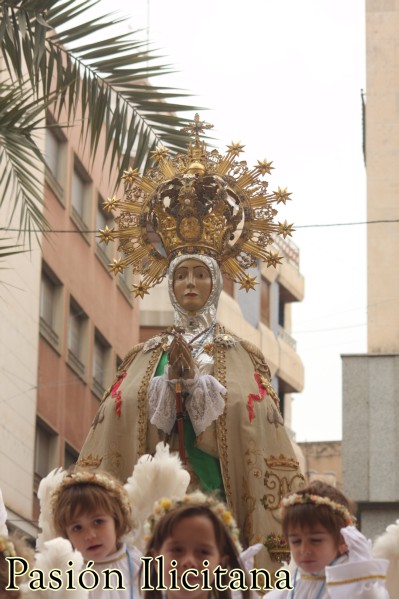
(74, 321)
(370, 447)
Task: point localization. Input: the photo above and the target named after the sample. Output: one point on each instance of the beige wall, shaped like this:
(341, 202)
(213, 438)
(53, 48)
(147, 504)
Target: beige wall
(382, 148)
(323, 461)
(19, 327)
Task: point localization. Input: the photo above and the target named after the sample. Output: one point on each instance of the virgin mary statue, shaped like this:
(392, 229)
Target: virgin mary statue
(197, 386)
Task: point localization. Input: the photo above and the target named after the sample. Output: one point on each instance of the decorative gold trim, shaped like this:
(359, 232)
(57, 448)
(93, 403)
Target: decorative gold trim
(142, 400)
(219, 358)
(357, 579)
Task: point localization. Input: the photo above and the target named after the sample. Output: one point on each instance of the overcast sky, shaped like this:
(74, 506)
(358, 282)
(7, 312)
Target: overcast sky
(284, 77)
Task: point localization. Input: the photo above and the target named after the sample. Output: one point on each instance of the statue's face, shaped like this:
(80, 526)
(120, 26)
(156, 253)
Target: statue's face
(192, 284)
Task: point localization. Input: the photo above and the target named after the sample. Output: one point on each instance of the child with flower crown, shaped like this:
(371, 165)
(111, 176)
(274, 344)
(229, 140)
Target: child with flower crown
(330, 558)
(93, 511)
(198, 533)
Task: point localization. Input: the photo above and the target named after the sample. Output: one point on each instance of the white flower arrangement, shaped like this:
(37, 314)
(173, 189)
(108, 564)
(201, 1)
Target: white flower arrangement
(338, 508)
(166, 504)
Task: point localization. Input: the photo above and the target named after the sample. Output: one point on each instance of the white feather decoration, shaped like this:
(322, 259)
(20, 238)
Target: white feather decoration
(3, 517)
(154, 477)
(55, 555)
(46, 487)
(386, 546)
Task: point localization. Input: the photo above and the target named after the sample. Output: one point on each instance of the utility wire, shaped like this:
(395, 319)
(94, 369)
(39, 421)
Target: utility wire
(316, 225)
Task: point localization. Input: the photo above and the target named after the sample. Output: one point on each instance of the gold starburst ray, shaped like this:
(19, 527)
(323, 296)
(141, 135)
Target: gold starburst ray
(254, 249)
(248, 178)
(130, 233)
(138, 254)
(262, 226)
(132, 208)
(232, 268)
(225, 164)
(145, 184)
(157, 269)
(167, 169)
(261, 201)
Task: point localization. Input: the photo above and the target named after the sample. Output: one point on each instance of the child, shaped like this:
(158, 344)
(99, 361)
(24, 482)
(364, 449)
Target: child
(330, 557)
(190, 530)
(93, 511)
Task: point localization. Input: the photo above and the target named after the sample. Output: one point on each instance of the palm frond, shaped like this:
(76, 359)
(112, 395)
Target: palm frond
(55, 42)
(22, 162)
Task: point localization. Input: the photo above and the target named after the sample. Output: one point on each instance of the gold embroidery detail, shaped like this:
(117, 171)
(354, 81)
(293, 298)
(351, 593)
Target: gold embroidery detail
(90, 461)
(277, 547)
(142, 402)
(282, 462)
(221, 428)
(358, 579)
(280, 484)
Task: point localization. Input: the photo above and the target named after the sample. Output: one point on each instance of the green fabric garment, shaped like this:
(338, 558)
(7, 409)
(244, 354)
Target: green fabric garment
(205, 466)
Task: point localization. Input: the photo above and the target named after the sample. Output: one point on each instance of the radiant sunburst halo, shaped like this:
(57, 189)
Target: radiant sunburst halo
(198, 202)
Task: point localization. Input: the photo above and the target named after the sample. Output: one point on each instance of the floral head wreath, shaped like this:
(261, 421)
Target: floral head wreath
(93, 478)
(338, 508)
(167, 504)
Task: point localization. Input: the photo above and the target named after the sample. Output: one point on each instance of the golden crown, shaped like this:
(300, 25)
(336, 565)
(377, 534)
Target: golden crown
(200, 202)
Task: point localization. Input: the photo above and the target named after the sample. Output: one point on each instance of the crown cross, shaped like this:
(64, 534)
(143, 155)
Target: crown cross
(197, 127)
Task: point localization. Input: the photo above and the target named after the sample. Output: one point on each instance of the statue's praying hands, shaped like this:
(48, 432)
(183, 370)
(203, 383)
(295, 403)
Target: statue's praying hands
(181, 362)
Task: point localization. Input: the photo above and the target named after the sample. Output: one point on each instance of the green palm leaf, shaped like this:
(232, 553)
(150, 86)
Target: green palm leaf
(111, 80)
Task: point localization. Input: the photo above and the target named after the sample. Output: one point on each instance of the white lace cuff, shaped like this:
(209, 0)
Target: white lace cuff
(204, 404)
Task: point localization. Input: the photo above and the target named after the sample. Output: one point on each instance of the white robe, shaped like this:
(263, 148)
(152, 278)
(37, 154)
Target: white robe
(343, 580)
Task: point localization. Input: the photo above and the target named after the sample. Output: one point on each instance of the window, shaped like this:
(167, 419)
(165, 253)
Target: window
(101, 363)
(45, 452)
(70, 456)
(50, 306)
(47, 300)
(55, 154)
(77, 337)
(125, 280)
(104, 251)
(81, 190)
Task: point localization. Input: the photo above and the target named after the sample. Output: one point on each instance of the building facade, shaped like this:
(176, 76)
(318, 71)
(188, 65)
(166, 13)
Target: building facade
(371, 381)
(66, 326)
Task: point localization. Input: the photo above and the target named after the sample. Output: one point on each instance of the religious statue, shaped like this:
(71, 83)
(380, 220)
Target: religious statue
(197, 386)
